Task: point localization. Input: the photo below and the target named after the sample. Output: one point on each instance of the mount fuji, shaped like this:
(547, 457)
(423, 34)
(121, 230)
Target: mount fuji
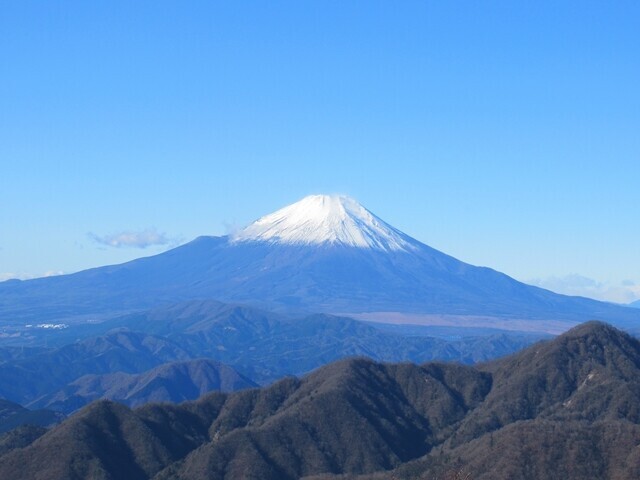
(327, 220)
(322, 254)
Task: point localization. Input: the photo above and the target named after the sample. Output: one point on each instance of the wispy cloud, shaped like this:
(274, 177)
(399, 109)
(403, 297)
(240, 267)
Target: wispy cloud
(134, 239)
(28, 276)
(10, 276)
(626, 291)
(230, 228)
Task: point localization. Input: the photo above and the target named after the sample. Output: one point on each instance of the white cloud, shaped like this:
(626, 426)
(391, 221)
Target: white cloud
(52, 273)
(131, 239)
(230, 228)
(10, 276)
(626, 291)
(28, 276)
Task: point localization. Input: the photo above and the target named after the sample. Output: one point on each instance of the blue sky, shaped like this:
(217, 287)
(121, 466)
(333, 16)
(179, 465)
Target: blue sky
(504, 133)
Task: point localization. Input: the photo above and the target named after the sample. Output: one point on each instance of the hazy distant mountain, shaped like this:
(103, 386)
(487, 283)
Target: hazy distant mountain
(170, 382)
(568, 408)
(322, 254)
(13, 415)
(266, 345)
(26, 380)
(635, 304)
(261, 345)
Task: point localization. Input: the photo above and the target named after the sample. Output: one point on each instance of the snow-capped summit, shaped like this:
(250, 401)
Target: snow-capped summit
(326, 219)
(345, 260)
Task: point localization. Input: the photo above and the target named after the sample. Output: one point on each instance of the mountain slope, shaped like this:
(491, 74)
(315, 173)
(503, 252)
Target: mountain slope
(261, 345)
(269, 343)
(285, 431)
(25, 380)
(325, 219)
(171, 382)
(323, 254)
(13, 415)
(566, 408)
(20, 437)
(592, 371)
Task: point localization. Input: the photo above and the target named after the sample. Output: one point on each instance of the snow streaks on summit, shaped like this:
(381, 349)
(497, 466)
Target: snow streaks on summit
(327, 219)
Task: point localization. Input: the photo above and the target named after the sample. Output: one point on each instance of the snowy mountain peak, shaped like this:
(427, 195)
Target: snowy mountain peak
(326, 219)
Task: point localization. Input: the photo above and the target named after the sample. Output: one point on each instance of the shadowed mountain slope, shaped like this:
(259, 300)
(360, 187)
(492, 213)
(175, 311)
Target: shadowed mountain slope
(25, 380)
(569, 406)
(287, 430)
(20, 437)
(260, 345)
(171, 382)
(13, 415)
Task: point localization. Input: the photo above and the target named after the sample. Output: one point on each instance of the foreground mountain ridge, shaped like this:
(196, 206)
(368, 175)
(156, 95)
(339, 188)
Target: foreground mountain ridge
(551, 410)
(322, 254)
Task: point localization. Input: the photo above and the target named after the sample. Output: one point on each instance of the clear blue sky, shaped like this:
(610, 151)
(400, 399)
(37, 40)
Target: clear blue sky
(504, 133)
